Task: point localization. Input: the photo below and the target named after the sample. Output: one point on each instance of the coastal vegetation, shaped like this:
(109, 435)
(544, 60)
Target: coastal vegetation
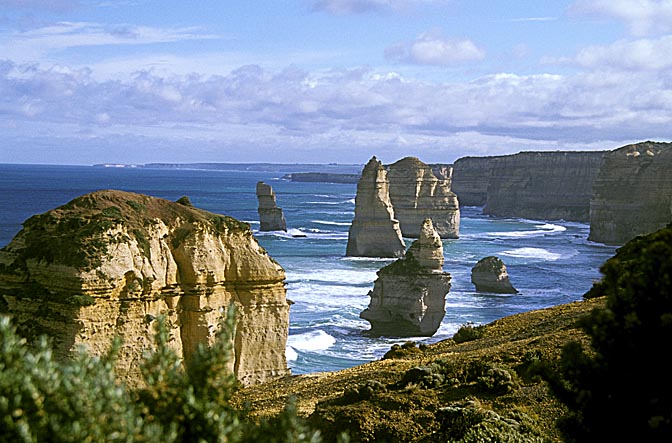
(583, 371)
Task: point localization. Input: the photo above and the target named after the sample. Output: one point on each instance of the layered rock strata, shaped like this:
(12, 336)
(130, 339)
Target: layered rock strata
(108, 263)
(271, 217)
(490, 275)
(471, 177)
(409, 296)
(416, 194)
(374, 231)
(633, 193)
(536, 185)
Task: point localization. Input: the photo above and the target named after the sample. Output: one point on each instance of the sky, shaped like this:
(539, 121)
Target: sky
(338, 81)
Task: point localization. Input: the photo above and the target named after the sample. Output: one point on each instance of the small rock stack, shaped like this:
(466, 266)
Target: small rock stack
(271, 217)
(490, 275)
(408, 298)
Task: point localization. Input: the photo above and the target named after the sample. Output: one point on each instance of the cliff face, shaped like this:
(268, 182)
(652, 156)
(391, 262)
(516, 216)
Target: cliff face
(271, 217)
(108, 263)
(374, 231)
(471, 177)
(416, 194)
(409, 296)
(536, 185)
(633, 193)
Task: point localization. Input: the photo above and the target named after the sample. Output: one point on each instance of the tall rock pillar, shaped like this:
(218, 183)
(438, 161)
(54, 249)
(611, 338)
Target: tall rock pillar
(374, 231)
(271, 217)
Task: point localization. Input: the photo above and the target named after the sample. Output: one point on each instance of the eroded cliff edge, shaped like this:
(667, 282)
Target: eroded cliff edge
(107, 264)
(633, 193)
(417, 193)
(537, 185)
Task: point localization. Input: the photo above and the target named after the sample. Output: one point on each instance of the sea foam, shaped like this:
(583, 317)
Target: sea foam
(317, 340)
(539, 253)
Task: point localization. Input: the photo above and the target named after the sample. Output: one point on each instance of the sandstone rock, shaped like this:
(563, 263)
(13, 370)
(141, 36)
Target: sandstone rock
(536, 185)
(374, 231)
(633, 193)
(408, 297)
(489, 275)
(416, 194)
(108, 263)
(271, 217)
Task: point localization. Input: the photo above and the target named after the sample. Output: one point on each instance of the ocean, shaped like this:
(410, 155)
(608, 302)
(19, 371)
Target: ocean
(549, 262)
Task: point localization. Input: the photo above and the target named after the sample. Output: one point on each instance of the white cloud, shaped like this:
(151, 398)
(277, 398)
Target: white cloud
(430, 49)
(344, 7)
(352, 112)
(643, 17)
(626, 55)
(35, 43)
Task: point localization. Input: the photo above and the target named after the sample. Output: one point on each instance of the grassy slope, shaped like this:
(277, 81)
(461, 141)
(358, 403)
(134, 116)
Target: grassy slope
(409, 410)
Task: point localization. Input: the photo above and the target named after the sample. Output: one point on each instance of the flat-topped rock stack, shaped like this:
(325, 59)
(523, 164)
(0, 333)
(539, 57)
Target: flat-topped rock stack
(108, 263)
(409, 296)
(374, 231)
(633, 193)
(271, 217)
(416, 194)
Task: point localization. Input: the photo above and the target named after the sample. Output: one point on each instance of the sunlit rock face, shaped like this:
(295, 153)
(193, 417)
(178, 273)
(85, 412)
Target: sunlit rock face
(108, 263)
(633, 193)
(409, 296)
(490, 275)
(271, 217)
(374, 231)
(416, 194)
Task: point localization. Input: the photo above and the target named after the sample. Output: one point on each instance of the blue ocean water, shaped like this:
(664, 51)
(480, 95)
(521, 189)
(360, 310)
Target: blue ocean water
(550, 263)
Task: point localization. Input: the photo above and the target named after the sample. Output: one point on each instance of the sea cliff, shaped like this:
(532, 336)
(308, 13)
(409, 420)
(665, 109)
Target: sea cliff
(108, 263)
(633, 193)
(536, 185)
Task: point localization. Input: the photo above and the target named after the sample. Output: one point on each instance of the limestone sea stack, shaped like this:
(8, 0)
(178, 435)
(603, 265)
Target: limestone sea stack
(409, 296)
(632, 194)
(416, 194)
(490, 275)
(271, 217)
(374, 231)
(107, 264)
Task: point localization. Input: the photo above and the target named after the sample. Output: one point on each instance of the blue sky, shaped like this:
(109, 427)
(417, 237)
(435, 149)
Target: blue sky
(137, 81)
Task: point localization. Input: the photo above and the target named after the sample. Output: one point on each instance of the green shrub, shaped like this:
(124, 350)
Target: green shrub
(621, 388)
(468, 332)
(43, 399)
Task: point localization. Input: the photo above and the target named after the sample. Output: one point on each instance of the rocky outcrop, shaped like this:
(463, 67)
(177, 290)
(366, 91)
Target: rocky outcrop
(108, 263)
(490, 275)
(409, 296)
(536, 185)
(271, 217)
(633, 193)
(321, 177)
(374, 231)
(416, 194)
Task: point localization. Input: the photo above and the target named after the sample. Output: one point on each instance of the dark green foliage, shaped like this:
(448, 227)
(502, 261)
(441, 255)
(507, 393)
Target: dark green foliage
(408, 349)
(184, 201)
(363, 391)
(408, 265)
(468, 332)
(468, 422)
(43, 399)
(621, 389)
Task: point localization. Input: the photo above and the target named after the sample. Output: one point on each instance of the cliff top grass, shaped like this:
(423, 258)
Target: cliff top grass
(76, 234)
(400, 397)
